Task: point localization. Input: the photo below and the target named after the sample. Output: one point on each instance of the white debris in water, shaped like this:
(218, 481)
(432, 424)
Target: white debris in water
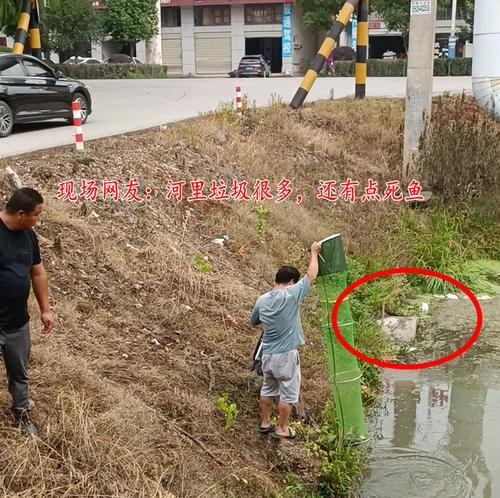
(155, 342)
(484, 297)
(451, 296)
(439, 296)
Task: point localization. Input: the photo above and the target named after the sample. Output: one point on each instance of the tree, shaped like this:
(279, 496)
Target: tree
(396, 14)
(129, 21)
(9, 10)
(467, 11)
(68, 26)
(319, 14)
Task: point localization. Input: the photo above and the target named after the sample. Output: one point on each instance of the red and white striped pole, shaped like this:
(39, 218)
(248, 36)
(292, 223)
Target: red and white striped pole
(77, 123)
(239, 105)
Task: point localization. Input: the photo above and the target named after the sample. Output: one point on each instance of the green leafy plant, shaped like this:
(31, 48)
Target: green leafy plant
(229, 409)
(201, 263)
(262, 214)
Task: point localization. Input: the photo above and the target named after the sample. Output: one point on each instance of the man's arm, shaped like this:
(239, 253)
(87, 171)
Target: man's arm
(41, 289)
(254, 317)
(312, 271)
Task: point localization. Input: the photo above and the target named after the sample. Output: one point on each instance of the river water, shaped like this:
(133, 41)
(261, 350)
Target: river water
(436, 433)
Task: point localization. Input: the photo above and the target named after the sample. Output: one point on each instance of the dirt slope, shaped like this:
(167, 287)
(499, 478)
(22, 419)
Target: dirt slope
(123, 387)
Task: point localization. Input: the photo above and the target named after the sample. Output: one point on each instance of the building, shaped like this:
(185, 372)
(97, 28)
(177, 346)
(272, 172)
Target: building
(382, 39)
(209, 37)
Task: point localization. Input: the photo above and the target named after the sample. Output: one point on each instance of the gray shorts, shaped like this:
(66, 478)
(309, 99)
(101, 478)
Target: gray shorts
(281, 376)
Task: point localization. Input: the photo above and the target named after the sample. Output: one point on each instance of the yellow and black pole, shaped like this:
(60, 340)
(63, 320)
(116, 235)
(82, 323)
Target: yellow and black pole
(324, 51)
(35, 40)
(362, 49)
(23, 22)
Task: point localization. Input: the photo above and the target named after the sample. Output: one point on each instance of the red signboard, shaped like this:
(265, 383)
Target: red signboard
(373, 25)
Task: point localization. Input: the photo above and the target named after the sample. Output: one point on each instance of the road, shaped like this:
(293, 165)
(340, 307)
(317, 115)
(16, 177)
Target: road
(122, 106)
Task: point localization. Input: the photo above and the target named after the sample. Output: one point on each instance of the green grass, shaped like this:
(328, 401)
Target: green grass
(449, 240)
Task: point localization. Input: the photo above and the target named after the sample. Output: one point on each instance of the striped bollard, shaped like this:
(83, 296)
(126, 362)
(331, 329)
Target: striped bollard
(239, 105)
(77, 122)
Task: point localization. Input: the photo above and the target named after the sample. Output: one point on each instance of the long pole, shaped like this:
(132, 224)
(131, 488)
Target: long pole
(362, 49)
(324, 51)
(23, 22)
(34, 26)
(452, 42)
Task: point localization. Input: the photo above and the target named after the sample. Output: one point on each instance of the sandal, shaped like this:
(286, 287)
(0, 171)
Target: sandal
(266, 430)
(291, 435)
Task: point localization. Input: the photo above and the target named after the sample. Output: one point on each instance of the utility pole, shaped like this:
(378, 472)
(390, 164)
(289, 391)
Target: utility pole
(153, 45)
(452, 41)
(419, 78)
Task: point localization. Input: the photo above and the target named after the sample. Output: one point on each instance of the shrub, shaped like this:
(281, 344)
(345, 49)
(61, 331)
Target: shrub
(460, 152)
(379, 67)
(111, 71)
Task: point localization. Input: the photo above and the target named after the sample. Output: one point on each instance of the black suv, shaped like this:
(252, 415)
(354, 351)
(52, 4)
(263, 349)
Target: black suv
(254, 65)
(31, 91)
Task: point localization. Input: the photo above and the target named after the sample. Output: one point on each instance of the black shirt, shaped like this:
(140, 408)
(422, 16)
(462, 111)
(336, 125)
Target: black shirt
(19, 251)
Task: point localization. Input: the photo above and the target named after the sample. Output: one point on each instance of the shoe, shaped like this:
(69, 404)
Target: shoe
(24, 423)
(266, 430)
(291, 434)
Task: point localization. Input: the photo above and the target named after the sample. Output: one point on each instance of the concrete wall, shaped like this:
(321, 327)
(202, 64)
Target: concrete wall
(304, 44)
(187, 34)
(237, 34)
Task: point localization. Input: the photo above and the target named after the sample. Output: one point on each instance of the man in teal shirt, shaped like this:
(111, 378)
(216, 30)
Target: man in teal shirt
(278, 313)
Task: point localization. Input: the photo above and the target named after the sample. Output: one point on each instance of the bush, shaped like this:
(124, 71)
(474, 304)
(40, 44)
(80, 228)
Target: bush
(460, 152)
(379, 67)
(111, 71)
(441, 67)
(461, 66)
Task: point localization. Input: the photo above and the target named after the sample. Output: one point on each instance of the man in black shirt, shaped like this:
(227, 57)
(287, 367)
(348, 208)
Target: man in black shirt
(20, 266)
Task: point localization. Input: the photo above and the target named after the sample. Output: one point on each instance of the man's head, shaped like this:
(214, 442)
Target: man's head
(24, 207)
(287, 275)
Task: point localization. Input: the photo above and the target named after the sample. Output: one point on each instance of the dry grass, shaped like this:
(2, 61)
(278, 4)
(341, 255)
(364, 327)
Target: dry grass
(122, 416)
(461, 150)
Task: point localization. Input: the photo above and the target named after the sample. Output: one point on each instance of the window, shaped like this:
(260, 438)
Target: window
(444, 13)
(10, 67)
(170, 17)
(212, 16)
(37, 70)
(263, 14)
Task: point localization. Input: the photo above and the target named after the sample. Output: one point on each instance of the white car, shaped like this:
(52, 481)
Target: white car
(82, 60)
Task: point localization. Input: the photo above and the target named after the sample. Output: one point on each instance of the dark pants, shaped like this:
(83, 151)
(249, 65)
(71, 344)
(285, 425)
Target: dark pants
(15, 345)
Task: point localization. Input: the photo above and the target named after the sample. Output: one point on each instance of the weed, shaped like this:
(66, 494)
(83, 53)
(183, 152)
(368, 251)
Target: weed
(201, 263)
(262, 214)
(447, 240)
(460, 154)
(343, 464)
(294, 488)
(229, 409)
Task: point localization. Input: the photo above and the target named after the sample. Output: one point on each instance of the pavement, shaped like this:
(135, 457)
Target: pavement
(122, 106)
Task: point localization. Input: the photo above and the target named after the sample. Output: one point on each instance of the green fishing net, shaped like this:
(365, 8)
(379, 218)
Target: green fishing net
(345, 374)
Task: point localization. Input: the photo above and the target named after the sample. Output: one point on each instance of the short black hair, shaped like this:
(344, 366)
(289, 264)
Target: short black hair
(287, 273)
(23, 199)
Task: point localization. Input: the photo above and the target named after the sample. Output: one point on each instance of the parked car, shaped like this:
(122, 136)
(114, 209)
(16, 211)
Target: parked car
(31, 91)
(254, 65)
(122, 59)
(81, 60)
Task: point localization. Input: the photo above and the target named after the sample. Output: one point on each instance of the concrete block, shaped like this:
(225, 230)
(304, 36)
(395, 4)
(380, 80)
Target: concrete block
(399, 328)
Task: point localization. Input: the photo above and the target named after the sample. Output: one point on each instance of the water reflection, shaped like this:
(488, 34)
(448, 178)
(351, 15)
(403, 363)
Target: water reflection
(437, 434)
